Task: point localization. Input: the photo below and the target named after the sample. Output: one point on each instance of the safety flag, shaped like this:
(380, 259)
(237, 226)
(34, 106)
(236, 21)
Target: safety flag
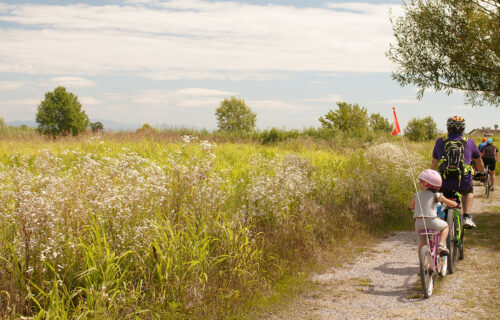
(396, 124)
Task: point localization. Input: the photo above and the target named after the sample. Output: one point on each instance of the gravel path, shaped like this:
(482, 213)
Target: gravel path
(380, 284)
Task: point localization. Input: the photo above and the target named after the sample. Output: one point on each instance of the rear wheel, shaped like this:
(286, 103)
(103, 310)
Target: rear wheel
(426, 271)
(444, 266)
(451, 241)
(487, 184)
(462, 236)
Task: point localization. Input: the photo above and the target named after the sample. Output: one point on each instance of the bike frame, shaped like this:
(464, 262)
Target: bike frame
(433, 237)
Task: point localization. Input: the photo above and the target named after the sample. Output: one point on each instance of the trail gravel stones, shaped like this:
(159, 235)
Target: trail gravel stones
(383, 284)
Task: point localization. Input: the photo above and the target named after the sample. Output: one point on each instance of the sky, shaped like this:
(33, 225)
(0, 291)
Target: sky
(171, 63)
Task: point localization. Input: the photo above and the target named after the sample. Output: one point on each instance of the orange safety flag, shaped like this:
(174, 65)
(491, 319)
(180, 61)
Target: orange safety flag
(396, 124)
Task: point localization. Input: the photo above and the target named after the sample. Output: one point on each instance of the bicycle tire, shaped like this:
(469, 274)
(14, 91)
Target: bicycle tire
(487, 184)
(462, 237)
(451, 241)
(444, 266)
(426, 271)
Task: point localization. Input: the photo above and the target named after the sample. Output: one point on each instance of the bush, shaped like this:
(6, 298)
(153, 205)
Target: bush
(350, 119)
(421, 129)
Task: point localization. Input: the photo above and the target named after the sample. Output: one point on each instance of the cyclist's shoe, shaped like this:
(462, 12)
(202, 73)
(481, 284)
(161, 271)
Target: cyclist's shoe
(468, 223)
(443, 251)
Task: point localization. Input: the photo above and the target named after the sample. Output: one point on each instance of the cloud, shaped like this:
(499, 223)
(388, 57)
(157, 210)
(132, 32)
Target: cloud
(19, 109)
(275, 105)
(89, 101)
(182, 98)
(194, 39)
(73, 82)
(398, 101)
(11, 85)
(334, 98)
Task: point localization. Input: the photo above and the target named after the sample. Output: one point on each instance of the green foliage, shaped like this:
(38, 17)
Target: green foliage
(379, 123)
(350, 119)
(449, 45)
(61, 114)
(421, 129)
(235, 116)
(96, 126)
(146, 230)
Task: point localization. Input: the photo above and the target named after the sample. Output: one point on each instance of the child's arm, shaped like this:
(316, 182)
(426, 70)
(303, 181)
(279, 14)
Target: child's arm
(448, 202)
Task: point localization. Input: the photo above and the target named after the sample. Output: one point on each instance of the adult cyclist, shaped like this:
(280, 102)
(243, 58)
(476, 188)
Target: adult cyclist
(481, 145)
(489, 154)
(452, 157)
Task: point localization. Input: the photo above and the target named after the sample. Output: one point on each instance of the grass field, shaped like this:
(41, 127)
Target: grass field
(137, 226)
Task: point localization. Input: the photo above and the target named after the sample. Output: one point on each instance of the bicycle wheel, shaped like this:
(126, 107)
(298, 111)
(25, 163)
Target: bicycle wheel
(444, 266)
(462, 236)
(487, 184)
(451, 241)
(426, 271)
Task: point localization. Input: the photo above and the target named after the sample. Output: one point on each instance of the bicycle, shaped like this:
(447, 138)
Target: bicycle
(431, 262)
(487, 181)
(455, 239)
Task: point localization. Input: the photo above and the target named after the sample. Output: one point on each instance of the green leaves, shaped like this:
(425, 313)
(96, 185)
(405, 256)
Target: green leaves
(449, 46)
(421, 129)
(61, 113)
(235, 116)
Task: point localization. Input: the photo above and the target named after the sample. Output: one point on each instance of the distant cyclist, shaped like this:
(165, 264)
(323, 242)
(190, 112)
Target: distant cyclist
(481, 145)
(452, 157)
(490, 158)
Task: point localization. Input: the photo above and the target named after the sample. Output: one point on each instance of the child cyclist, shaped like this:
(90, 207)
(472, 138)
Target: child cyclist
(425, 203)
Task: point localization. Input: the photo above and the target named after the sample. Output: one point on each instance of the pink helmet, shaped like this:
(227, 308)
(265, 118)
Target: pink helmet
(431, 178)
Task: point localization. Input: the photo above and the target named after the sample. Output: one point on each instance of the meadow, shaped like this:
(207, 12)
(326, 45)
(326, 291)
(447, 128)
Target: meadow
(159, 226)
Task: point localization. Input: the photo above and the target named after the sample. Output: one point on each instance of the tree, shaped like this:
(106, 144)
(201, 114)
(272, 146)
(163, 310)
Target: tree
(96, 126)
(61, 113)
(234, 115)
(421, 129)
(379, 123)
(449, 45)
(348, 118)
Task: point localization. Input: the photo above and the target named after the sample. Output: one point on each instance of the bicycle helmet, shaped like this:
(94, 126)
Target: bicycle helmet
(484, 139)
(455, 124)
(489, 141)
(431, 179)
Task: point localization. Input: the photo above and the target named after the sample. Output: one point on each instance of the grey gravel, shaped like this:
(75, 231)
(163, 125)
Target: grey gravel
(381, 284)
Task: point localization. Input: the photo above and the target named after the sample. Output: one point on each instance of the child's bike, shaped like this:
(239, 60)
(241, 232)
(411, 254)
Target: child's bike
(455, 239)
(431, 263)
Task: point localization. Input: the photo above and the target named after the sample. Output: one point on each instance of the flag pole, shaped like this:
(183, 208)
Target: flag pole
(396, 131)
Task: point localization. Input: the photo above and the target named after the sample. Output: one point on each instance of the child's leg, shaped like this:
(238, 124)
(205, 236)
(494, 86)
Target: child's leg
(443, 235)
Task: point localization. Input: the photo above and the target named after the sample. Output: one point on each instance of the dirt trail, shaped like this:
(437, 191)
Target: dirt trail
(383, 284)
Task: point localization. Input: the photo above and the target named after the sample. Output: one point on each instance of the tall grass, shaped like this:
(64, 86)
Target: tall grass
(136, 227)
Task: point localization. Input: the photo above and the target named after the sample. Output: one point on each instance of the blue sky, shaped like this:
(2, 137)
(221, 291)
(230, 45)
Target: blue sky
(172, 62)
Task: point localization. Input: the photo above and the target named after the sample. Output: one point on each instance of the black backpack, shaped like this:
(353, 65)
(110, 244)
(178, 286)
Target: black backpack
(489, 151)
(452, 163)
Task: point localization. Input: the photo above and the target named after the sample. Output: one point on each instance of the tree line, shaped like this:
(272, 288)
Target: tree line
(60, 113)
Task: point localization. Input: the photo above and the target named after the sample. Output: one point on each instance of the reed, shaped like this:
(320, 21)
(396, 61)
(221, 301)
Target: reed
(137, 226)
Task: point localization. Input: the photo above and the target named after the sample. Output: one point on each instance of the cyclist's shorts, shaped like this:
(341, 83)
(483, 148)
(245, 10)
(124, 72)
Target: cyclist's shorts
(451, 193)
(430, 223)
(490, 162)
